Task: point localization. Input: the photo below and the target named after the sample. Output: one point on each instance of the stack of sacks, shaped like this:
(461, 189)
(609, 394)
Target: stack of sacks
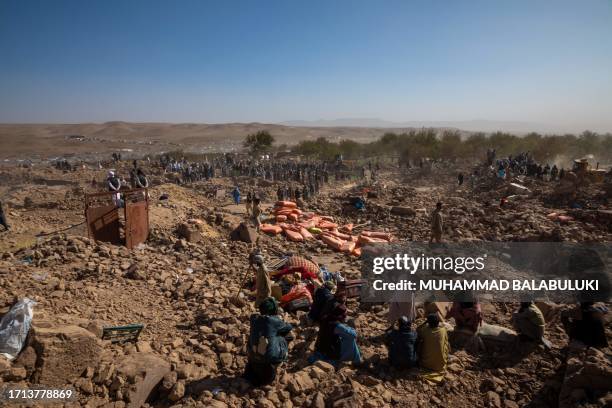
(352, 244)
(301, 226)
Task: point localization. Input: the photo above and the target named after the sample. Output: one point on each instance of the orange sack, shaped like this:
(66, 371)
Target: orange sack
(340, 235)
(327, 225)
(307, 224)
(288, 204)
(306, 234)
(332, 241)
(292, 217)
(271, 229)
(370, 240)
(356, 251)
(281, 218)
(348, 228)
(378, 234)
(348, 246)
(294, 235)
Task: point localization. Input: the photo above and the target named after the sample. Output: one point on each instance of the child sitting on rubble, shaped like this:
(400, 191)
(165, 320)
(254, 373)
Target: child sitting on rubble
(336, 342)
(267, 346)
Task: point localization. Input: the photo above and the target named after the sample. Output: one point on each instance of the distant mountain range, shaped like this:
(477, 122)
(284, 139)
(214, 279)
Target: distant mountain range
(468, 125)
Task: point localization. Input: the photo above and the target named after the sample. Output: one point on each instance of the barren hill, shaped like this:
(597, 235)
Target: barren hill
(25, 141)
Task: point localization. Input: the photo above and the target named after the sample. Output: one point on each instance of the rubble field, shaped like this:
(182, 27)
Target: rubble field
(186, 286)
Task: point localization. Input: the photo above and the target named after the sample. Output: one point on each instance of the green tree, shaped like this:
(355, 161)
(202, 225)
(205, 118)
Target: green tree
(259, 142)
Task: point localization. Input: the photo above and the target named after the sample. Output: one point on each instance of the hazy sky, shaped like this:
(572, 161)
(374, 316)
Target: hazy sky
(272, 61)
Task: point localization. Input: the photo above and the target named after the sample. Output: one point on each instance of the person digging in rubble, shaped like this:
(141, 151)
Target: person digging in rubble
(268, 347)
(437, 224)
(460, 178)
(322, 296)
(401, 344)
(529, 322)
(3, 221)
(263, 286)
(336, 342)
(467, 315)
(280, 194)
(433, 346)
(587, 326)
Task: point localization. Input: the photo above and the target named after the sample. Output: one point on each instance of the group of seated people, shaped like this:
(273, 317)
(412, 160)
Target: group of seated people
(427, 347)
(584, 324)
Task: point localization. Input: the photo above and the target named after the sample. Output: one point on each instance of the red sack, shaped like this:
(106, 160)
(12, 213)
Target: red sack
(297, 260)
(297, 292)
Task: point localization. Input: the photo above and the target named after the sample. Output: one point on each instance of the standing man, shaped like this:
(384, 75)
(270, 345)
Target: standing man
(249, 201)
(437, 224)
(3, 218)
(236, 195)
(256, 212)
(114, 185)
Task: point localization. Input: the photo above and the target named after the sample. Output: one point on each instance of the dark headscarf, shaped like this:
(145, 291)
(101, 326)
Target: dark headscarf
(433, 320)
(268, 307)
(404, 323)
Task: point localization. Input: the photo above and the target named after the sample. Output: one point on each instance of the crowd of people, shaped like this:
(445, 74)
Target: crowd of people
(525, 164)
(230, 165)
